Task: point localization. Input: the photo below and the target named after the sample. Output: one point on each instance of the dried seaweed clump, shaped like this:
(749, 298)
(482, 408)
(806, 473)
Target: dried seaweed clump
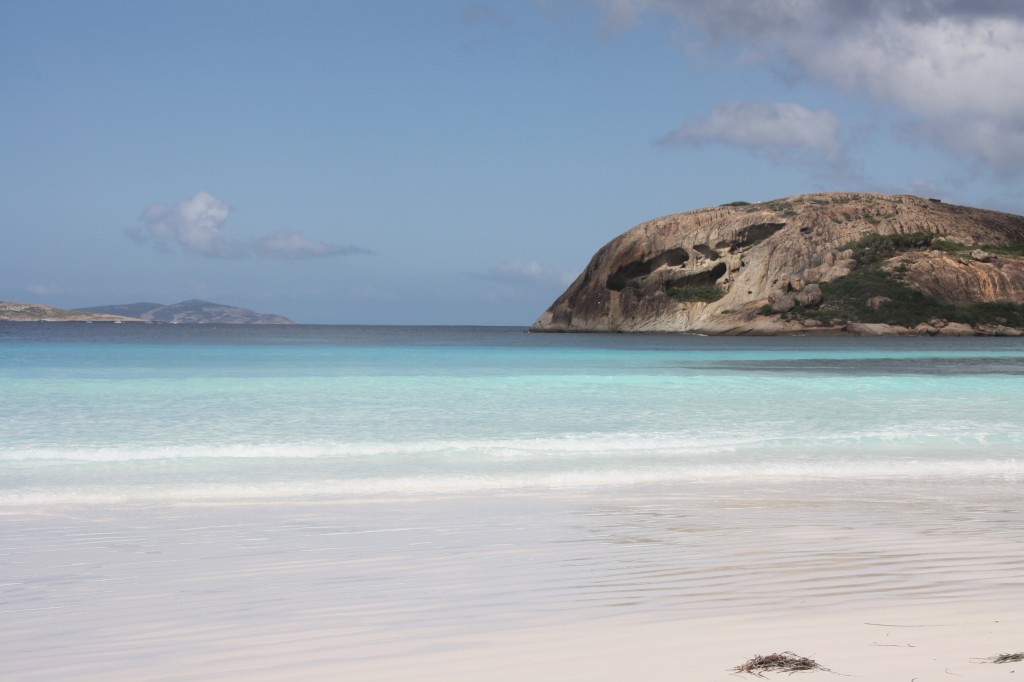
(786, 662)
(1008, 658)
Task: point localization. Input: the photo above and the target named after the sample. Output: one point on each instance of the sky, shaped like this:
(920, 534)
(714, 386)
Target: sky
(410, 162)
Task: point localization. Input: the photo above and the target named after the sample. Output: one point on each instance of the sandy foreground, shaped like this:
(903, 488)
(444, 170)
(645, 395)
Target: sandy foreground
(913, 643)
(649, 585)
(933, 643)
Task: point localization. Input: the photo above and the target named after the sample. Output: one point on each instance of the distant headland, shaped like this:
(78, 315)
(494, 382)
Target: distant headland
(194, 311)
(829, 263)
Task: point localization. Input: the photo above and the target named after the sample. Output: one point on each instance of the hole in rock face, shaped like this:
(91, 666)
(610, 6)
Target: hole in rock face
(751, 234)
(673, 258)
(641, 268)
(754, 234)
(707, 251)
(698, 278)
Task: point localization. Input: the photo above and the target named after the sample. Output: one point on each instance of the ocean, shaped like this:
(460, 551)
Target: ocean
(161, 413)
(211, 488)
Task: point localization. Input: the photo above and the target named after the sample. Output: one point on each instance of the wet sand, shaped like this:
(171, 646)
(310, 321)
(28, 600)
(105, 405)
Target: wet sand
(875, 579)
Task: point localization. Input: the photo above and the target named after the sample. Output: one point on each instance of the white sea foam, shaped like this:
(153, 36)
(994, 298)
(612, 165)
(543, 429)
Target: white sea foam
(938, 437)
(344, 489)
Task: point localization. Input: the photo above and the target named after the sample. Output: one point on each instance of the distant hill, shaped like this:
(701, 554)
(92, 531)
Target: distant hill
(34, 312)
(194, 311)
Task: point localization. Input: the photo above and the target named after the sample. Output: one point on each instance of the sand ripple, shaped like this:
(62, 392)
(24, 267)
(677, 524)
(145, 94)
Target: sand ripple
(169, 593)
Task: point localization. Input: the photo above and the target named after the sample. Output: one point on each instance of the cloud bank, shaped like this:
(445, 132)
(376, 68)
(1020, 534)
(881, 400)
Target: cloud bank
(952, 66)
(780, 129)
(290, 245)
(197, 225)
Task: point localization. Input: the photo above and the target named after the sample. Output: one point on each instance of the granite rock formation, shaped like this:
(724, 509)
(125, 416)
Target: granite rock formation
(34, 312)
(741, 268)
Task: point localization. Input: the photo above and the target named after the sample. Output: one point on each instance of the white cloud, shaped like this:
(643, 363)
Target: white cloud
(290, 245)
(952, 65)
(197, 225)
(778, 128)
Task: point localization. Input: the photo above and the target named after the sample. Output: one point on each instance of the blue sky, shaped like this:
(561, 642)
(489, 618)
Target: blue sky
(410, 162)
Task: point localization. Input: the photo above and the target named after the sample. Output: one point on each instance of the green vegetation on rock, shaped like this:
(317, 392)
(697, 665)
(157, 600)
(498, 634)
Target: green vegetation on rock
(848, 298)
(875, 248)
(996, 312)
(705, 293)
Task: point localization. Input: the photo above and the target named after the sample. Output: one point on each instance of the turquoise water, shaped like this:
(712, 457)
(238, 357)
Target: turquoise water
(157, 413)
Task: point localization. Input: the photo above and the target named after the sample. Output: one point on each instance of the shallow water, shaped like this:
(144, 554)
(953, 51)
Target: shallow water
(109, 413)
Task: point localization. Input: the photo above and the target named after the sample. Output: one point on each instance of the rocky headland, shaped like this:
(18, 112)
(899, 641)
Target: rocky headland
(829, 263)
(34, 312)
(194, 311)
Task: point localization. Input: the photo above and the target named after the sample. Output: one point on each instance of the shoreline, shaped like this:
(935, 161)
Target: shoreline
(769, 327)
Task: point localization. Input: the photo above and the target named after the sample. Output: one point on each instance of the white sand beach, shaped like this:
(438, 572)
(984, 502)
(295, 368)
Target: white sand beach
(874, 579)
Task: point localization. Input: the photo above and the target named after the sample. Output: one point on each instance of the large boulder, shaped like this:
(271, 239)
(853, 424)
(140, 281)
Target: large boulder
(810, 296)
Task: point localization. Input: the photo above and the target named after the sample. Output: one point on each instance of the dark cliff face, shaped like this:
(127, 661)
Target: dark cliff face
(741, 268)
